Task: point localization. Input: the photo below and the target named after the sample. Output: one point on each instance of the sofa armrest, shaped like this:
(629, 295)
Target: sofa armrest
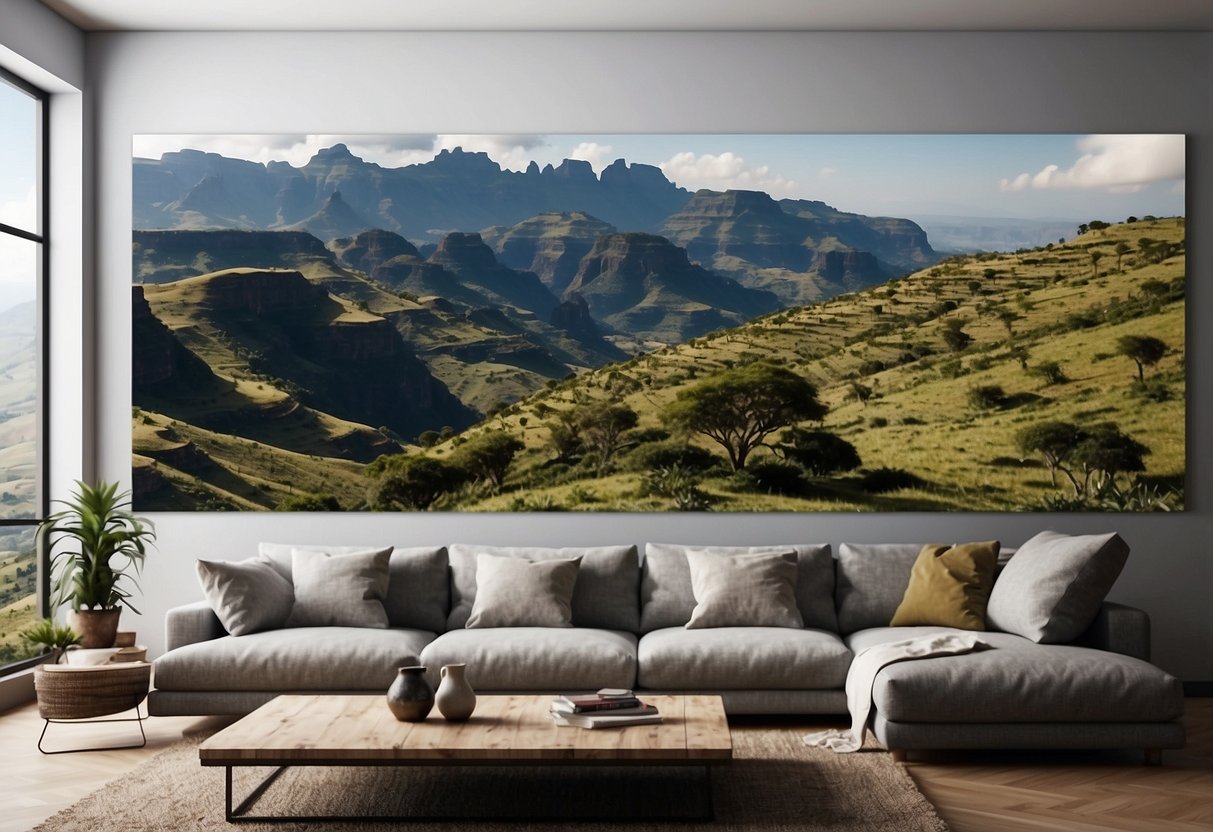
(191, 623)
(1119, 629)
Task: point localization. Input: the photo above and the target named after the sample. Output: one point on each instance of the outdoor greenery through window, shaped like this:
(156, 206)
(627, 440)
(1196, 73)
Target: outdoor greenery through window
(22, 263)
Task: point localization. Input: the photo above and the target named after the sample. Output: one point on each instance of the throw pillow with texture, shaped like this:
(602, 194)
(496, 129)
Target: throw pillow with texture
(514, 592)
(1051, 589)
(743, 590)
(949, 586)
(246, 595)
(339, 590)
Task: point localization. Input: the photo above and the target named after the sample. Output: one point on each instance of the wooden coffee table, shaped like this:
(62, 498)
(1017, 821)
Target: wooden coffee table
(328, 730)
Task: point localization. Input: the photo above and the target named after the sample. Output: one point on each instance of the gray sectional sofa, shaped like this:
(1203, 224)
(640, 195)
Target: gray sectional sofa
(628, 615)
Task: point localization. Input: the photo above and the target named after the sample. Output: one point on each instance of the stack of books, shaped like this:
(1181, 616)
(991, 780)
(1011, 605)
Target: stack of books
(608, 708)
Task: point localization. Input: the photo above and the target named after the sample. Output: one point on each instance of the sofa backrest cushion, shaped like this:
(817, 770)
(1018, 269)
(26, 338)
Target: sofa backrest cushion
(418, 592)
(1052, 589)
(606, 595)
(667, 599)
(872, 580)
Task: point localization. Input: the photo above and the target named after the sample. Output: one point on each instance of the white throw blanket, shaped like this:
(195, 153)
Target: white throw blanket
(870, 662)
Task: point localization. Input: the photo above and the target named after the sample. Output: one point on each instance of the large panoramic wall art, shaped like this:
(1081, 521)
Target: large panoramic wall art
(658, 323)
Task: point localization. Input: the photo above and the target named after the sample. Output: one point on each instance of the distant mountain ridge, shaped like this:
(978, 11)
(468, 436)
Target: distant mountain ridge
(456, 191)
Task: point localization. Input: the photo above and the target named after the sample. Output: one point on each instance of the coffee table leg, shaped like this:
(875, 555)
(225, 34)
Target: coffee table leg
(709, 809)
(240, 813)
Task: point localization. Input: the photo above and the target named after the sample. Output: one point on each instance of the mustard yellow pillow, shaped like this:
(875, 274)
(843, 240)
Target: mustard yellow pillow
(949, 586)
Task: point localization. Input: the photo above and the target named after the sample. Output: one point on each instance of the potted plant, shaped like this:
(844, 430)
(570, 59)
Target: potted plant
(101, 548)
(51, 637)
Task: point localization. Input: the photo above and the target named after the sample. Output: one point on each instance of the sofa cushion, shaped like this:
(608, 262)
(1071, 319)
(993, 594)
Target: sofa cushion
(949, 586)
(1051, 590)
(742, 658)
(246, 595)
(743, 590)
(1019, 681)
(536, 658)
(418, 590)
(667, 598)
(339, 590)
(514, 592)
(872, 580)
(605, 596)
(315, 658)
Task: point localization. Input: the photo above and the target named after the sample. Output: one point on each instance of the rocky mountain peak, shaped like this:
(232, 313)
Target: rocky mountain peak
(369, 249)
(460, 251)
(464, 161)
(731, 203)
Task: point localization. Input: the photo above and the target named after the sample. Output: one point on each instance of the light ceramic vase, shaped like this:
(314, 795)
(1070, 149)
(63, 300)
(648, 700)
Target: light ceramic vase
(455, 698)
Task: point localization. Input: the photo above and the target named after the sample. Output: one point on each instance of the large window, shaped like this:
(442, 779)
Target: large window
(23, 255)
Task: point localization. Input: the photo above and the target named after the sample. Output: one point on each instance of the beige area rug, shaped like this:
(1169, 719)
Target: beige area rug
(774, 784)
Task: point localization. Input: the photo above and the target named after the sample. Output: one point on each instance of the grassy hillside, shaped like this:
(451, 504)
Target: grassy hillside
(931, 411)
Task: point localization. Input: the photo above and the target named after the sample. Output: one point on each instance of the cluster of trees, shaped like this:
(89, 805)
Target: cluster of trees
(1090, 457)
(739, 409)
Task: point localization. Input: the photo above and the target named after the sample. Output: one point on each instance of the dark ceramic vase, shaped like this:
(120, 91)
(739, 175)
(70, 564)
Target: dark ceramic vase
(410, 697)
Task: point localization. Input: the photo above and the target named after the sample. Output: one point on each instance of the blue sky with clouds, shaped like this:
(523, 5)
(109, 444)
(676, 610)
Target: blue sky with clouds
(1031, 176)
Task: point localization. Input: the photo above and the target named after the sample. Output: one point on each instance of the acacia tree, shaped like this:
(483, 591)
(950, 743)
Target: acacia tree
(1095, 256)
(860, 391)
(955, 336)
(488, 456)
(1008, 317)
(739, 408)
(1145, 350)
(413, 483)
(1122, 248)
(602, 428)
(1055, 442)
(1106, 451)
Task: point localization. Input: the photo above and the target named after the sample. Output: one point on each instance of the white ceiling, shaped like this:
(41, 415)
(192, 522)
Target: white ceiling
(637, 15)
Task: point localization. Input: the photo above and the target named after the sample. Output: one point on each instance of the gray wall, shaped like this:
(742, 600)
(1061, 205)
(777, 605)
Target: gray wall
(620, 82)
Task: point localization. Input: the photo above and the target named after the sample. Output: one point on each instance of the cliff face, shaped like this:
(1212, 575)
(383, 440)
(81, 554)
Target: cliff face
(468, 258)
(163, 256)
(755, 240)
(898, 242)
(158, 359)
(851, 269)
(329, 355)
(368, 250)
(643, 285)
(744, 224)
(551, 245)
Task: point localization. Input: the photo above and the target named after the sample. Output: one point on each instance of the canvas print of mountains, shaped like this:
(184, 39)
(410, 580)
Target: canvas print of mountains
(632, 323)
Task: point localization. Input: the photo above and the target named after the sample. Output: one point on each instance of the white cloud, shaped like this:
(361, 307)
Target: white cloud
(598, 155)
(725, 171)
(1120, 163)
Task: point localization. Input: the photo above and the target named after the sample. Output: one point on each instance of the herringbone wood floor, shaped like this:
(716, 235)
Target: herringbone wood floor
(973, 792)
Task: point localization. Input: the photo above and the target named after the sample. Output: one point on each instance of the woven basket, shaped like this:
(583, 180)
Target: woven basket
(68, 692)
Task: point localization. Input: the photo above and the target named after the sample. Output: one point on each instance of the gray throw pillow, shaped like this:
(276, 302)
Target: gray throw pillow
(743, 590)
(606, 596)
(513, 592)
(667, 599)
(418, 588)
(339, 590)
(246, 595)
(1053, 586)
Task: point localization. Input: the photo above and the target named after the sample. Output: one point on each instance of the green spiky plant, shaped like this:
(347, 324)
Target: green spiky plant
(102, 547)
(50, 636)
